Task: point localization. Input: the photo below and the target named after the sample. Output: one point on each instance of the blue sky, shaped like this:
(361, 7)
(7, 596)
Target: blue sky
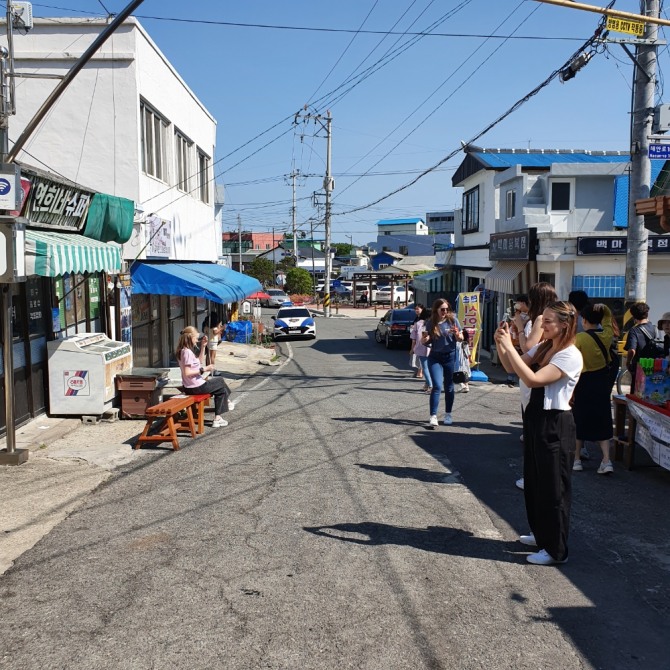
(394, 121)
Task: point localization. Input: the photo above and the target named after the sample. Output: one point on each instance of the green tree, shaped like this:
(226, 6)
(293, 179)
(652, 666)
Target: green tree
(261, 269)
(298, 280)
(343, 249)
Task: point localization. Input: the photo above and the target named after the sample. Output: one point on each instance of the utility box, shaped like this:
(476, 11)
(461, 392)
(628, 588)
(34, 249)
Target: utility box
(139, 389)
(661, 122)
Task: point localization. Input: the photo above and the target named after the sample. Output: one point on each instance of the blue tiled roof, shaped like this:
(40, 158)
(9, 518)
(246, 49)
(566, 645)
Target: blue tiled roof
(509, 159)
(398, 222)
(621, 187)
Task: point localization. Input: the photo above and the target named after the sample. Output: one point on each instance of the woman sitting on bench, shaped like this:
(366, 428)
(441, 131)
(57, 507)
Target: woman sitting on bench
(192, 370)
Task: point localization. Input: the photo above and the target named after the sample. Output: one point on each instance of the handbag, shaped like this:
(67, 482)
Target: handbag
(611, 360)
(462, 370)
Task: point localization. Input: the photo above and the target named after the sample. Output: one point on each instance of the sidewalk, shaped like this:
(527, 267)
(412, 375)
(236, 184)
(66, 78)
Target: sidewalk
(69, 459)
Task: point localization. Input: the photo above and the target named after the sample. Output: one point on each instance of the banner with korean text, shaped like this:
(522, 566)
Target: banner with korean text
(470, 316)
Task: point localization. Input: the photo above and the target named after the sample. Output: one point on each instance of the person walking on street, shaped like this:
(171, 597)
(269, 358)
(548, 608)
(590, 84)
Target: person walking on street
(193, 368)
(551, 371)
(592, 400)
(441, 332)
(420, 349)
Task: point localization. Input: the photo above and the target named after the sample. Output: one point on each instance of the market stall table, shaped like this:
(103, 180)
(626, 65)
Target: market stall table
(649, 428)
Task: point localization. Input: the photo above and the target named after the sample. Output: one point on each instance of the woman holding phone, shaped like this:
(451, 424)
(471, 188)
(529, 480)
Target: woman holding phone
(441, 332)
(550, 370)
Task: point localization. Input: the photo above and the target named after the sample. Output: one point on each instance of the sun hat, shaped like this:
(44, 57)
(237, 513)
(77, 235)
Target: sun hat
(665, 317)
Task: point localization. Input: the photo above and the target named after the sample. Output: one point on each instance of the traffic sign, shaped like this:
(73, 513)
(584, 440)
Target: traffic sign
(661, 151)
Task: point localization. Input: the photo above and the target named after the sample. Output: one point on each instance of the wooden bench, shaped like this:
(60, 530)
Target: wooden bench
(200, 402)
(167, 412)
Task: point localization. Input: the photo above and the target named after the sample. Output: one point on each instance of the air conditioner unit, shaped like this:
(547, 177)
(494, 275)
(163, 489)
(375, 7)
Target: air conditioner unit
(22, 15)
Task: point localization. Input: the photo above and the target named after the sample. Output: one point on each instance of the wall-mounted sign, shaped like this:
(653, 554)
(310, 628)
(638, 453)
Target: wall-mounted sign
(160, 237)
(54, 205)
(10, 190)
(616, 246)
(514, 245)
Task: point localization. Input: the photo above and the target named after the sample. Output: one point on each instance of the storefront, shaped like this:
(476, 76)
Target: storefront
(69, 276)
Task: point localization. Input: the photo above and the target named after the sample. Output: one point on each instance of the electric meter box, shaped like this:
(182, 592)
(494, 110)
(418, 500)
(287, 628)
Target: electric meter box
(661, 123)
(82, 369)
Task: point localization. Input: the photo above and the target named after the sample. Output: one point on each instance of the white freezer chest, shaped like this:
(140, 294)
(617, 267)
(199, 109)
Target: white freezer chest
(82, 369)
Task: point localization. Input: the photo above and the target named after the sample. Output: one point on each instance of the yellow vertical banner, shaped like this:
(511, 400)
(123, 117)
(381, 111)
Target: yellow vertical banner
(470, 316)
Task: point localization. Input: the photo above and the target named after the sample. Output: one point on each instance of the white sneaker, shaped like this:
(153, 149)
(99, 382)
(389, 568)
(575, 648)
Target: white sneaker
(433, 421)
(577, 466)
(231, 405)
(543, 558)
(519, 483)
(448, 420)
(606, 468)
(528, 540)
(219, 423)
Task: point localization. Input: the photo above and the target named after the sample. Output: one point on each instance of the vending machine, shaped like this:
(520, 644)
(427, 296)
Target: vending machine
(82, 369)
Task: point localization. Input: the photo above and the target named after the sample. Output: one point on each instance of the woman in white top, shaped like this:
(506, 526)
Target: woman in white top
(550, 371)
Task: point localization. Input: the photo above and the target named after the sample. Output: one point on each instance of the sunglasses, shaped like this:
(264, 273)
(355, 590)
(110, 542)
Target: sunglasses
(444, 309)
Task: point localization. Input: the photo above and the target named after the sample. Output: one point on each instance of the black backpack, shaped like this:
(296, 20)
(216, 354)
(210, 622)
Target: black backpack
(653, 347)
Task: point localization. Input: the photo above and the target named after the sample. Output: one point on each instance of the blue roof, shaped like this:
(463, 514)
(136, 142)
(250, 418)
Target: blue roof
(398, 222)
(545, 159)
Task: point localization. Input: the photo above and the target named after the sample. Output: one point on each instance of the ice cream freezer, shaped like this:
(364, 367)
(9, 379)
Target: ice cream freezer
(82, 369)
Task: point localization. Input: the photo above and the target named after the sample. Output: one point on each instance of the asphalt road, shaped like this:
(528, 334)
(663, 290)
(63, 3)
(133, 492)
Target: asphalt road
(326, 527)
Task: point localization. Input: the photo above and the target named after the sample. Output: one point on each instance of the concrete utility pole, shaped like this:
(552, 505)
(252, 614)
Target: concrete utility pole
(239, 243)
(644, 85)
(328, 186)
(293, 175)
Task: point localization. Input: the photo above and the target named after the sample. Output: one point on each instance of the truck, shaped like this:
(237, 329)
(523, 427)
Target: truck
(348, 271)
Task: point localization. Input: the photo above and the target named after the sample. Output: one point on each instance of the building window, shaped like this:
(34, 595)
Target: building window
(154, 131)
(510, 211)
(182, 155)
(560, 196)
(203, 176)
(404, 250)
(383, 265)
(471, 211)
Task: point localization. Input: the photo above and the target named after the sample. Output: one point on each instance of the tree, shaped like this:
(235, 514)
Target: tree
(298, 280)
(262, 269)
(343, 249)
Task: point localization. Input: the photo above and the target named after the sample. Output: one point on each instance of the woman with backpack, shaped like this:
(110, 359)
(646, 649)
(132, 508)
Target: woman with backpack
(591, 405)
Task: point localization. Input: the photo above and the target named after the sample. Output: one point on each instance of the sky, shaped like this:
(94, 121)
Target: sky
(405, 82)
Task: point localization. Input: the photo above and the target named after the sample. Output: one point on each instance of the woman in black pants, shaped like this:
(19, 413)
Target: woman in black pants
(192, 370)
(551, 371)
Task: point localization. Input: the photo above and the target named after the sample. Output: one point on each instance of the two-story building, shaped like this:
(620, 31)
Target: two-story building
(129, 128)
(556, 216)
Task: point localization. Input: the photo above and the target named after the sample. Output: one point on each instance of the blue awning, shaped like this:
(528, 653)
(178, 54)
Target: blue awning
(202, 280)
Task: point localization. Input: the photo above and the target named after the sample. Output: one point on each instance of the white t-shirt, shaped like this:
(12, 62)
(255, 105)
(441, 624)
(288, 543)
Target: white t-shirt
(557, 395)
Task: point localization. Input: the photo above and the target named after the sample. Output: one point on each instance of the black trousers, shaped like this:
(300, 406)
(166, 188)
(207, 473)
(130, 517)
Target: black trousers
(549, 452)
(216, 386)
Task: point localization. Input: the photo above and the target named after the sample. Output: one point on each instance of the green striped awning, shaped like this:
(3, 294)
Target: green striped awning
(52, 254)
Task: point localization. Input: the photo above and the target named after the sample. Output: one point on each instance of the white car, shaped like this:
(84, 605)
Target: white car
(400, 295)
(294, 322)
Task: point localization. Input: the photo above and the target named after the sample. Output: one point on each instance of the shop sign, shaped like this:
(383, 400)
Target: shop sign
(616, 246)
(517, 245)
(160, 237)
(54, 205)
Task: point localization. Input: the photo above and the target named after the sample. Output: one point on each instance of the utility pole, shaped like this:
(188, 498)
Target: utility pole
(328, 186)
(239, 243)
(293, 175)
(644, 84)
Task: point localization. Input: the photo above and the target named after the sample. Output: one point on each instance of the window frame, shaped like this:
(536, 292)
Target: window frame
(470, 222)
(153, 138)
(183, 147)
(510, 204)
(570, 183)
(203, 176)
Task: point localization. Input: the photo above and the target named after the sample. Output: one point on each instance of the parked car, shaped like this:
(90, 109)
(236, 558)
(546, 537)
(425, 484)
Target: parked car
(276, 298)
(394, 327)
(400, 295)
(362, 289)
(294, 322)
(337, 293)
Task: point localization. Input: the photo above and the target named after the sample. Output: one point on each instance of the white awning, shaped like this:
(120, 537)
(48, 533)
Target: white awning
(508, 277)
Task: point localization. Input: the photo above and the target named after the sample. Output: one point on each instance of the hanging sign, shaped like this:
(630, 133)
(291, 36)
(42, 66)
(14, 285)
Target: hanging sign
(625, 26)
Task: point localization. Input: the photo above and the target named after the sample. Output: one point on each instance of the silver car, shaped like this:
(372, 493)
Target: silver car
(277, 298)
